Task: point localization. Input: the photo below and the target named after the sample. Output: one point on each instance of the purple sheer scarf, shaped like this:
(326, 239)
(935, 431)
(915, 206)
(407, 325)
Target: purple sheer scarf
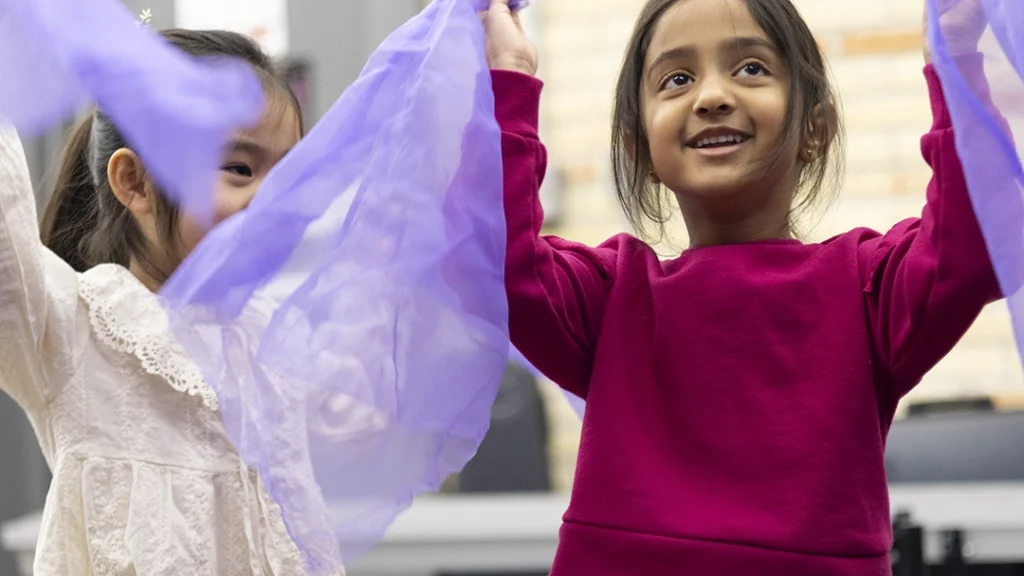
(58, 56)
(984, 92)
(353, 320)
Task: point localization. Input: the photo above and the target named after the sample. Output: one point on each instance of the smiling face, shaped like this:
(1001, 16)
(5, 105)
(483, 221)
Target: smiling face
(714, 96)
(248, 159)
(170, 236)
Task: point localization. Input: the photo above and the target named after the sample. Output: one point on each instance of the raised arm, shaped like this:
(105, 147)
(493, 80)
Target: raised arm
(37, 290)
(556, 289)
(929, 278)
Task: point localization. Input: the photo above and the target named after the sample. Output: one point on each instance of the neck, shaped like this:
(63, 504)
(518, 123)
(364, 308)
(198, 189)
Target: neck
(139, 271)
(736, 220)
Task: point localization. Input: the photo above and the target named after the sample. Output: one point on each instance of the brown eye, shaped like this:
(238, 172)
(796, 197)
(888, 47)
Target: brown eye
(752, 69)
(238, 170)
(677, 81)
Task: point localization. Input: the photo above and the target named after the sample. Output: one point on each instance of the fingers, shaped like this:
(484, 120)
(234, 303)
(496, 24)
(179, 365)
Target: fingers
(500, 8)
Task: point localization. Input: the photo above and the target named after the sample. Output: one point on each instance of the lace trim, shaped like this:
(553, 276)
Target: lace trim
(127, 317)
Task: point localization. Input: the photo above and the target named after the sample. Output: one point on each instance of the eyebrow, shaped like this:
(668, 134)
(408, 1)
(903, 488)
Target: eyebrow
(735, 44)
(247, 146)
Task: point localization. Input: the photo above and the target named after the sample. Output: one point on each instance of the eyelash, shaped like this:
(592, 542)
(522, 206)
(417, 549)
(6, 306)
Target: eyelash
(665, 84)
(757, 65)
(231, 167)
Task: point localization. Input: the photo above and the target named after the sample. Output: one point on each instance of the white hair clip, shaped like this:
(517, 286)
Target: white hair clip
(145, 18)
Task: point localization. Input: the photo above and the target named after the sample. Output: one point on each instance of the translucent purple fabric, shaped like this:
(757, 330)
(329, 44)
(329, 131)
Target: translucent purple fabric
(985, 96)
(57, 56)
(515, 5)
(353, 320)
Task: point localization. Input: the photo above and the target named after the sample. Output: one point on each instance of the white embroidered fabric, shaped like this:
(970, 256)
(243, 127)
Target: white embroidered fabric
(145, 480)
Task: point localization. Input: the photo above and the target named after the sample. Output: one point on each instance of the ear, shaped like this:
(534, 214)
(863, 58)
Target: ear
(818, 133)
(127, 177)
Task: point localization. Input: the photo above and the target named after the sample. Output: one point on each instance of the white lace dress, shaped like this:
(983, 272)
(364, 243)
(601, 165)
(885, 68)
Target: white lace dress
(145, 480)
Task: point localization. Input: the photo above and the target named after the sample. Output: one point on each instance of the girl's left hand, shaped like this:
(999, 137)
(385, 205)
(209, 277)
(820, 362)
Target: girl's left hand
(506, 45)
(963, 22)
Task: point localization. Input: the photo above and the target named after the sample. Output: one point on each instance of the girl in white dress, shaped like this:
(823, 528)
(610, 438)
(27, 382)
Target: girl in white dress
(145, 480)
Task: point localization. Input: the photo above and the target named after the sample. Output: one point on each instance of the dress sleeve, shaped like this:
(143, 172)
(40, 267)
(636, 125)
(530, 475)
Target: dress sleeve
(36, 288)
(928, 278)
(557, 290)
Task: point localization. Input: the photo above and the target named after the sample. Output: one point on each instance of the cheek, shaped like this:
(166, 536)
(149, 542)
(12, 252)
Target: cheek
(663, 134)
(190, 233)
(769, 113)
(231, 199)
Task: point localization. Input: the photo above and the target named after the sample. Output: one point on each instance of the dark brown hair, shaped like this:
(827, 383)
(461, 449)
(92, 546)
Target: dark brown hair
(811, 96)
(84, 223)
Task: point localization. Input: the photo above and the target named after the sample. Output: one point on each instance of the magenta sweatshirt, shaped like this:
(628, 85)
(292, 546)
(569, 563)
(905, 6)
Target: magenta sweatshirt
(739, 396)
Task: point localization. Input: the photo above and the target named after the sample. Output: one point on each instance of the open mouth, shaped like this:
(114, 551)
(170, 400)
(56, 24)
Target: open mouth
(720, 141)
(717, 138)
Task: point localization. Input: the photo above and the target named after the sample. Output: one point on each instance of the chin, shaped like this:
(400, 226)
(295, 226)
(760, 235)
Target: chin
(708, 179)
(712, 188)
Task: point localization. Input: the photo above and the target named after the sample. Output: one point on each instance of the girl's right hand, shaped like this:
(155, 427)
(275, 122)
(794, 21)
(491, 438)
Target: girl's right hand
(963, 23)
(507, 46)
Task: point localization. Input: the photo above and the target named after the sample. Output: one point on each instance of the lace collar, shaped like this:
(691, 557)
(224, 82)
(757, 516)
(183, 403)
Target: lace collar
(126, 316)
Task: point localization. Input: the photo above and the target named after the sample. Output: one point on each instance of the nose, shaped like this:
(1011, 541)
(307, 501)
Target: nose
(714, 98)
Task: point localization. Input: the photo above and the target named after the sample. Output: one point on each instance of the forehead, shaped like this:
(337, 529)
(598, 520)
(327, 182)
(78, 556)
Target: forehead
(703, 23)
(279, 127)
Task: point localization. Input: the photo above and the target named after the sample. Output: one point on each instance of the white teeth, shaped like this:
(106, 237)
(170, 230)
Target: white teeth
(704, 142)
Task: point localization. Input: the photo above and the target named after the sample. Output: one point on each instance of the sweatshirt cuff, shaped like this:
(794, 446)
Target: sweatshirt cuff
(516, 102)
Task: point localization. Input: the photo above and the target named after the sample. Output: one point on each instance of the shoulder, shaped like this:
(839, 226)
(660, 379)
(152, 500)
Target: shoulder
(126, 317)
(872, 248)
(620, 251)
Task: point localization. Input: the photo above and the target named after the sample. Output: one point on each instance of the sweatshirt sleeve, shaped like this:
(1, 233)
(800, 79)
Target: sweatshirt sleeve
(557, 290)
(928, 278)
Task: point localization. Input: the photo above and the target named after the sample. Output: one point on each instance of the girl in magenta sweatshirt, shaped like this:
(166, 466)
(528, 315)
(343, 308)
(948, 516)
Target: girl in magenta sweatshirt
(739, 395)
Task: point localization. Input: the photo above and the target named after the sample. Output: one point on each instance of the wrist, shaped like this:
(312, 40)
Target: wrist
(514, 64)
(959, 50)
(954, 50)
